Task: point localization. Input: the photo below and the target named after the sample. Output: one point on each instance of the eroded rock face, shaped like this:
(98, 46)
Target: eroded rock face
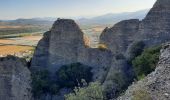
(59, 46)
(65, 42)
(99, 60)
(40, 59)
(15, 79)
(155, 28)
(156, 85)
(120, 35)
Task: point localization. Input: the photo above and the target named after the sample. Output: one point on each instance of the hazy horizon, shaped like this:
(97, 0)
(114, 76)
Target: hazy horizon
(14, 9)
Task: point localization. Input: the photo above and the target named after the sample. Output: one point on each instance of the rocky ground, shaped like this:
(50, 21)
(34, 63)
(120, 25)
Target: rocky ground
(156, 86)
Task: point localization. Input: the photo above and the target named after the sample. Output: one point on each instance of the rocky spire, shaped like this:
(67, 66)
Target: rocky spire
(159, 16)
(59, 46)
(65, 41)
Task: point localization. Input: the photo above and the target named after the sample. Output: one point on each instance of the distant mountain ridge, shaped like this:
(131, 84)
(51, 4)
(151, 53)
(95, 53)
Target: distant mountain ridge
(114, 18)
(110, 18)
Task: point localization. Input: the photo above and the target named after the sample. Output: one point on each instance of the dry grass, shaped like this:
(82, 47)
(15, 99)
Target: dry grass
(32, 38)
(98, 28)
(6, 41)
(14, 27)
(102, 47)
(12, 49)
(141, 94)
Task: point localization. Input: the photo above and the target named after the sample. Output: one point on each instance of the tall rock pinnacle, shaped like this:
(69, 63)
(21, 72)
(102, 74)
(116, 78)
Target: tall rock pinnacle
(156, 25)
(59, 46)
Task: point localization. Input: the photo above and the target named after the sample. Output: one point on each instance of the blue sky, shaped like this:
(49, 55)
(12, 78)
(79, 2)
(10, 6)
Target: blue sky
(12, 9)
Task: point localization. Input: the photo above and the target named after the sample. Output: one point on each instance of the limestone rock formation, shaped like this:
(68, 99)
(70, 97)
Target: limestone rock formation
(59, 46)
(63, 45)
(99, 60)
(155, 86)
(155, 27)
(66, 39)
(120, 36)
(15, 79)
(40, 59)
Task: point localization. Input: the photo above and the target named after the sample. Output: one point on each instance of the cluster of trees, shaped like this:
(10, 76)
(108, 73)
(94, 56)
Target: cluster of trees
(93, 91)
(9, 31)
(41, 83)
(69, 76)
(143, 59)
(145, 63)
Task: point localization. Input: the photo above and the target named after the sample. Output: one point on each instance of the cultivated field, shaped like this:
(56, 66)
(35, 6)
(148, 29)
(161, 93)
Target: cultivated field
(19, 46)
(14, 49)
(22, 43)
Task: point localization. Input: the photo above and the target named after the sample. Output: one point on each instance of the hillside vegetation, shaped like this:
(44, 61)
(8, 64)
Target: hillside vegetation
(146, 62)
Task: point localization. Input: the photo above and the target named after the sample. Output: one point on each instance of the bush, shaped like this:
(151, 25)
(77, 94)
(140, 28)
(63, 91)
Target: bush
(92, 92)
(146, 62)
(67, 76)
(116, 83)
(42, 84)
(71, 75)
(102, 47)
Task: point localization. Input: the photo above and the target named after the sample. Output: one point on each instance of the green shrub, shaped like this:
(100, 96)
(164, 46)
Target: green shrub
(42, 84)
(92, 92)
(116, 79)
(67, 76)
(146, 62)
(102, 47)
(71, 75)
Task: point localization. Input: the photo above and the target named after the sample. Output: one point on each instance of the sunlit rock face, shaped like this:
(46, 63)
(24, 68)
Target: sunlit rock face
(15, 79)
